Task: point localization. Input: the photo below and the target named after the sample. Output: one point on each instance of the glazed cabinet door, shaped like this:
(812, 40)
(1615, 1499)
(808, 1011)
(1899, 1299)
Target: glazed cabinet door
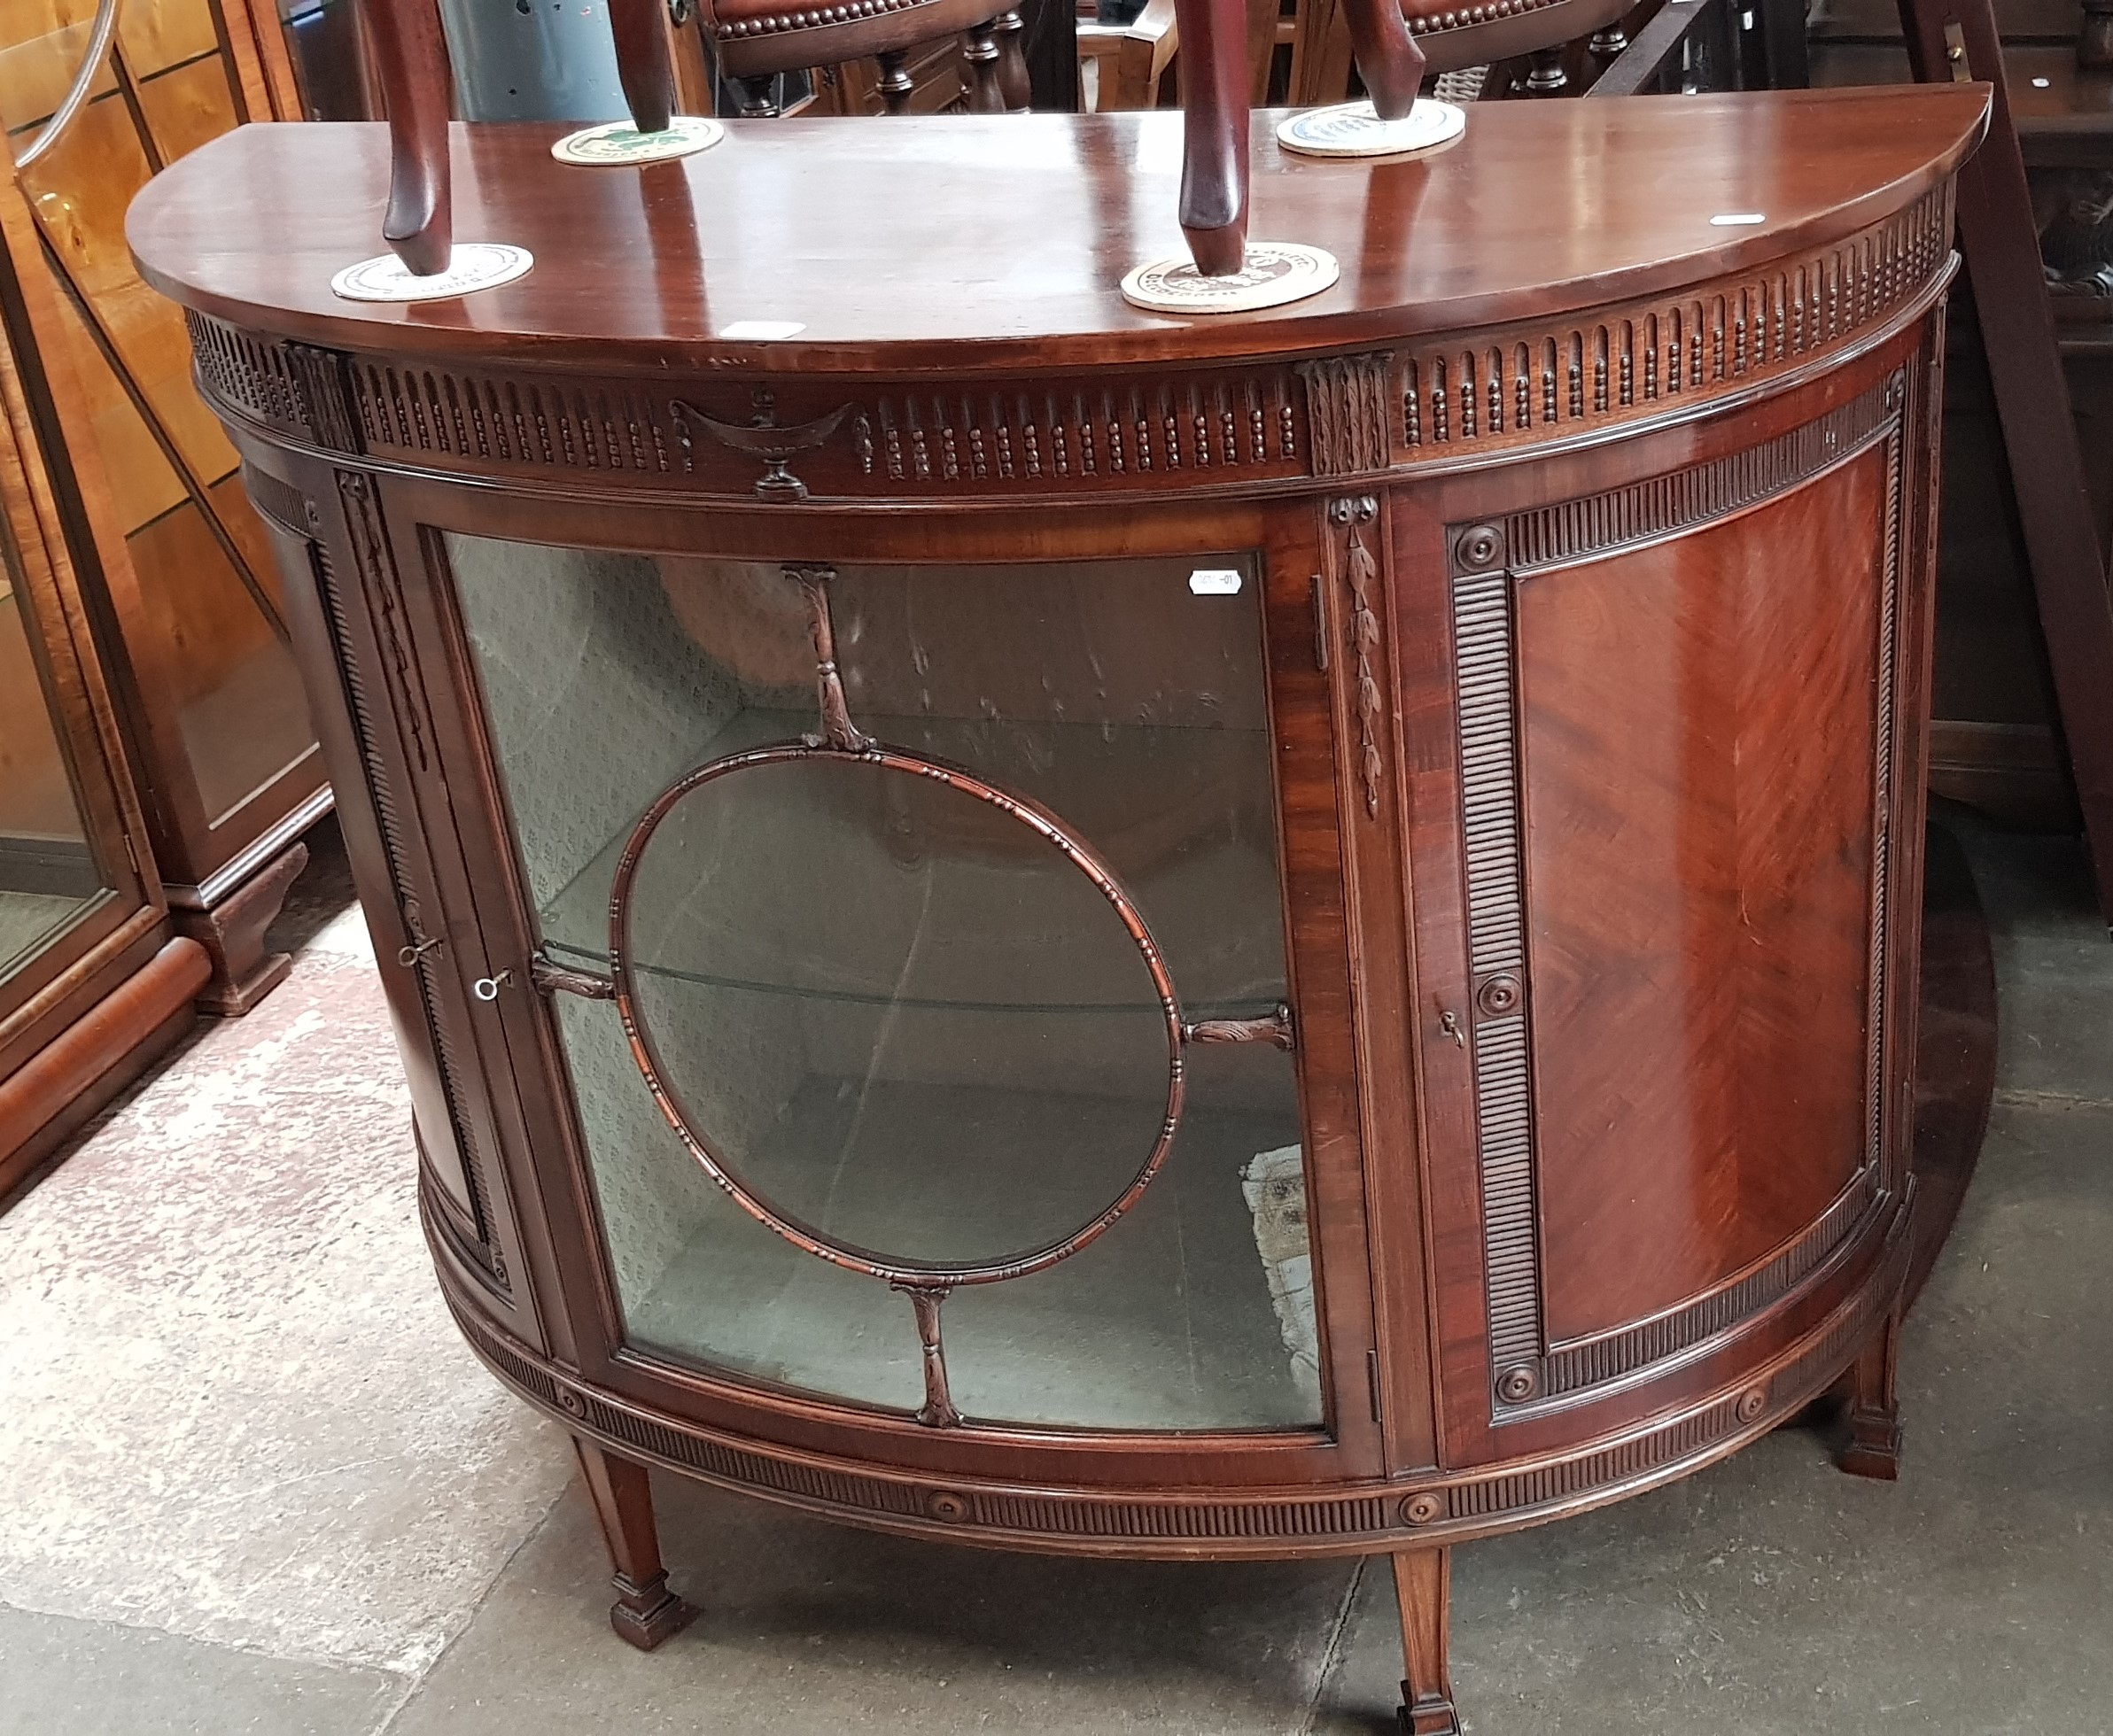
(352, 617)
(1666, 825)
(914, 935)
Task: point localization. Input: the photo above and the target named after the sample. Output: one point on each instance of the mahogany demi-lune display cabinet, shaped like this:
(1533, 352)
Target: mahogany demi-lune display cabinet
(1034, 924)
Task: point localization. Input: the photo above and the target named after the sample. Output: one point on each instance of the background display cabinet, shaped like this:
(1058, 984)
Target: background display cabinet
(194, 646)
(1282, 935)
(94, 984)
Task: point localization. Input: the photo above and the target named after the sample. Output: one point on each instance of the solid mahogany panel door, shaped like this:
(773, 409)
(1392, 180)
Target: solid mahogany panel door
(1699, 874)
(1657, 774)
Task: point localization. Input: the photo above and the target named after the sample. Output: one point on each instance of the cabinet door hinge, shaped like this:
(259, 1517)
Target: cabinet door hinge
(1371, 1380)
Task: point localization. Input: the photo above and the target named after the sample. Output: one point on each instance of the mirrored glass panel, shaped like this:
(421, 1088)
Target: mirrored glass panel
(48, 874)
(209, 644)
(908, 956)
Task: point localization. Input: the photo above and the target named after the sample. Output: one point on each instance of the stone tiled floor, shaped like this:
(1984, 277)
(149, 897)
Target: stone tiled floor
(253, 1482)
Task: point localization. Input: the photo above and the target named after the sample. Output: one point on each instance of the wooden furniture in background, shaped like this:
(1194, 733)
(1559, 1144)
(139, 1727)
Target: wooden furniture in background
(1288, 762)
(2015, 648)
(184, 591)
(94, 983)
(756, 41)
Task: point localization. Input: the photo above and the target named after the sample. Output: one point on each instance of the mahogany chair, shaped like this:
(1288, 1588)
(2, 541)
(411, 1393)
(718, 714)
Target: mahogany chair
(1385, 38)
(755, 42)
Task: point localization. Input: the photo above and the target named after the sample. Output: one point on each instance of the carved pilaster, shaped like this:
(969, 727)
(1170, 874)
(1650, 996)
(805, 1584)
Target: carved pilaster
(1349, 414)
(322, 388)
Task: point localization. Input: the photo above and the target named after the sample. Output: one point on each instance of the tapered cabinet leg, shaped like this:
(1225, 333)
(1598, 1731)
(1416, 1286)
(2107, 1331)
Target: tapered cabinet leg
(646, 1612)
(1423, 1585)
(1872, 1447)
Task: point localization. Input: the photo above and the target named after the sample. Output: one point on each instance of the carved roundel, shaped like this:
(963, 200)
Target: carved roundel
(1499, 994)
(1481, 546)
(1422, 1509)
(1516, 1385)
(903, 942)
(945, 1506)
(1752, 1401)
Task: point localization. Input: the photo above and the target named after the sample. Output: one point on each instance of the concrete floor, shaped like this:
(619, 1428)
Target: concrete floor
(253, 1482)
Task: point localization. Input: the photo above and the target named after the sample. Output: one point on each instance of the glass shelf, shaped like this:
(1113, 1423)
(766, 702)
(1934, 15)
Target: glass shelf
(904, 1018)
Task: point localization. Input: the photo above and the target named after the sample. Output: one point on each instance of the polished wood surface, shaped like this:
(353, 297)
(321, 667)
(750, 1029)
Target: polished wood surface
(884, 267)
(1701, 894)
(1595, 636)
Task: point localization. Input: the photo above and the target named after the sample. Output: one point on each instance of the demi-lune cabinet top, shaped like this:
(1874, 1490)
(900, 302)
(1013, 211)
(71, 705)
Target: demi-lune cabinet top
(960, 245)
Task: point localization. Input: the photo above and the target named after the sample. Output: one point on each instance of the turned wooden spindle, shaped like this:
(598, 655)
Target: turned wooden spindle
(1012, 62)
(1214, 100)
(758, 95)
(643, 66)
(1547, 77)
(1388, 59)
(979, 52)
(897, 86)
(410, 63)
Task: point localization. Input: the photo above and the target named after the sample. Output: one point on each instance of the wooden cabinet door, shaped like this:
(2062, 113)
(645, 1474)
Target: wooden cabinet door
(1666, 826)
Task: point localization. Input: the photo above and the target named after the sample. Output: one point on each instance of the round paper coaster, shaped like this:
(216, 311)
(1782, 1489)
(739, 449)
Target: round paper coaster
(619, 141)
(1273, 273)
(1351, 129)
(474, 265)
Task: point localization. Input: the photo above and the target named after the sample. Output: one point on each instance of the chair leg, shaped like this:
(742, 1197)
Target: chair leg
(646, 1612)
(1012, 82)
(1214, 162)
(979, 49)
(1423, 1585)
(410, 64)
(643, 67)
(758, 97)
(1546, 77)
(1873, 1447)
(897, 85)
(1388, 59)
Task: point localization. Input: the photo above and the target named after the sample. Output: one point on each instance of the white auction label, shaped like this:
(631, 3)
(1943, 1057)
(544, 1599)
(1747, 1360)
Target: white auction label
(1214, 582)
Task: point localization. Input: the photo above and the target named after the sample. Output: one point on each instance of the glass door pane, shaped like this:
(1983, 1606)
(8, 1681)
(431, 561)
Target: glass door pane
(913, 972)
(48, 872)
(211, 646)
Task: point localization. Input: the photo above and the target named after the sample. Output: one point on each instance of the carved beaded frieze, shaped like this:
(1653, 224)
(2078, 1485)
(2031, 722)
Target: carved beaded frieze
(1489, 562)
(1242, 426)
(1532, 384)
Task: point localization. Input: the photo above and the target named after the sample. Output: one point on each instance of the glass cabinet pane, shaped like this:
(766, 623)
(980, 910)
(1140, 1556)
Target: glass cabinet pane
(205, 639)
(905, 999)
(48, 872)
